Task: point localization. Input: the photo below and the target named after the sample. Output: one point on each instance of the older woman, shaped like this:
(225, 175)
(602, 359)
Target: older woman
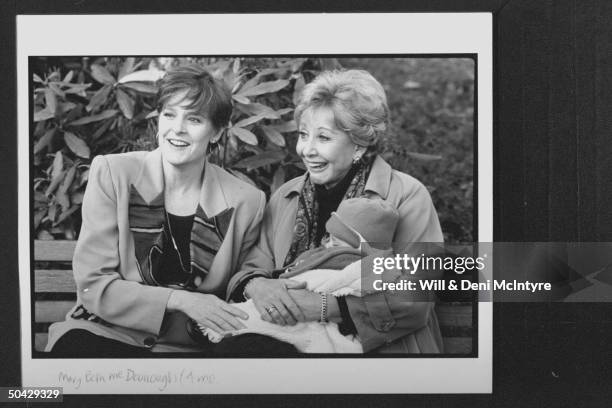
(341, 116)
(162, 233)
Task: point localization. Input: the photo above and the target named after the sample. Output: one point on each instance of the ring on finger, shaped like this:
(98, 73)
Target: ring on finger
(270, 309)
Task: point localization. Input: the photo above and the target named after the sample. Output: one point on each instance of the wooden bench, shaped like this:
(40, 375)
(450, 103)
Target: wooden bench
(55, 294)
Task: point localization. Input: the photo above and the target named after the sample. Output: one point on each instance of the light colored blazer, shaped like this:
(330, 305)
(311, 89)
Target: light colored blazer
(121, 240)
(385, 321)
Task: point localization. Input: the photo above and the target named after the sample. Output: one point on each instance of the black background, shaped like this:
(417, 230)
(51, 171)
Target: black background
(553, 182)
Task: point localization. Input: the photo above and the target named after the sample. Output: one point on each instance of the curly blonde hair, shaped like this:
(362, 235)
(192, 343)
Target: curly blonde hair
(356, 98)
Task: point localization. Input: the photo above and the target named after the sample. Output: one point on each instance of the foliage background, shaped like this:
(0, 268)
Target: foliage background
(85, 106)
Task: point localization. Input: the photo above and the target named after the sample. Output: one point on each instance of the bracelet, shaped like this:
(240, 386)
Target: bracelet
(324, 318)
(244, 294)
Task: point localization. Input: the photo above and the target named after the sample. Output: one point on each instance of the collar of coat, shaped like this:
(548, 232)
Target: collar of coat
(378, 181)
(150, 185)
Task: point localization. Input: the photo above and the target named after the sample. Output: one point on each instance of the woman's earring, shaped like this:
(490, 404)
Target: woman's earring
(212, 146)
(356, 158)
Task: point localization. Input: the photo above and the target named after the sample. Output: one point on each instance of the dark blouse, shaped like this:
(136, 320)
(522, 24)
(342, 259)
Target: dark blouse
(175, 272)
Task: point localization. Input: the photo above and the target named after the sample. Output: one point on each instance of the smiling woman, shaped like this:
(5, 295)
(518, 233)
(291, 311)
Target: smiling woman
(341, 117)
(162, 233)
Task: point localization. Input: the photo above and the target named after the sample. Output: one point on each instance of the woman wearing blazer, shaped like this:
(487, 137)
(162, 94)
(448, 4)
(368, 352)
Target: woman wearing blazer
(341, 116)
(162, 233)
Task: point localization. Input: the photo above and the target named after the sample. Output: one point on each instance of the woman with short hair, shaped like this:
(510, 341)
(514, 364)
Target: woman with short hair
(341, 117)
(162, 233)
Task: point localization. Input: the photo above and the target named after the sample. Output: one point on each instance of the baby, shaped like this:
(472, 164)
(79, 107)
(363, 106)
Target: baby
(333, 268)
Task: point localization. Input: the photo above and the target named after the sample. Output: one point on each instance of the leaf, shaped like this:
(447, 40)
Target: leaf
(278, 179)
(51, 101)
(142, 87)
(423, 156)
(109, 113)
(152, 114)
(285, 127)
(68, 179)
(101, 130)
(99, 98)
(265, 87)
(38, 217)
(54, 76)
(274, 136)
(241, 99)
(76, 88)
(68, 77)
(62, 199)
(250, 83)
(42, 114)
(44, 141)
(249, 121)
(57, 173)
(38, 79)
(283, 111)
(61, 196)
(245, 135)
(126, 67)
(77, 145)
(66, 214)
(56, 88)
(260, 109)
(58, 164)
(66, 106)
(297, 89)
(126, 103)
(101, 74)
(262, 159)
(145, 75)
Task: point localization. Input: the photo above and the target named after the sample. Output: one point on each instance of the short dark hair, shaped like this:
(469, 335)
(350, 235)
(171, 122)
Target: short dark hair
(206, 93)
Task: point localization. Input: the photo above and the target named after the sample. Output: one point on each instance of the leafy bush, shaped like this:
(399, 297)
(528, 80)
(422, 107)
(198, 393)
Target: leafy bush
(84, 107)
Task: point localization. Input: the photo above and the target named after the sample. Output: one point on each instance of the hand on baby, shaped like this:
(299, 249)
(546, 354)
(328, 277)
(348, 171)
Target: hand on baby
(273, 302)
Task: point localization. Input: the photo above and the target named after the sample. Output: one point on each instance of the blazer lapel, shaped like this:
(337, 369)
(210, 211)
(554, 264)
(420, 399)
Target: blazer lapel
(210, 224)
(146, 216)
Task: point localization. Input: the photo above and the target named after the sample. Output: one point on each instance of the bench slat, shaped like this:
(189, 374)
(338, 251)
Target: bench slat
(51, 311)
(54, 280)
(54, 250)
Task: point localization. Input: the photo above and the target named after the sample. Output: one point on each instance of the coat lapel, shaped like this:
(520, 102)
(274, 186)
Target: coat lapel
(210, 224)
(147, 216)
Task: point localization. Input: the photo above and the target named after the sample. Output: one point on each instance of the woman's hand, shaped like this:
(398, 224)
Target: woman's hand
(310, 304)
(272, 300)
(207, 310)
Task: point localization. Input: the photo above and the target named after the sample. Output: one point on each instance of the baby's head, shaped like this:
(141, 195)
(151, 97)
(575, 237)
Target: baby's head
(360, 220)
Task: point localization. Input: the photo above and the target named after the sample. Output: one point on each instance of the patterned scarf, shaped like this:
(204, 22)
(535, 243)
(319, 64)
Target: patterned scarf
(305, 227)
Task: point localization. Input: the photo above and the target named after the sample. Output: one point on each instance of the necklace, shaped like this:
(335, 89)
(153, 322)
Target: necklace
(178, 253)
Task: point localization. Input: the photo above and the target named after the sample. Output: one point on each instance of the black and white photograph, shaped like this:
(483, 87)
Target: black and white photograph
(272, 125)
(351, 203)
(212, 209)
